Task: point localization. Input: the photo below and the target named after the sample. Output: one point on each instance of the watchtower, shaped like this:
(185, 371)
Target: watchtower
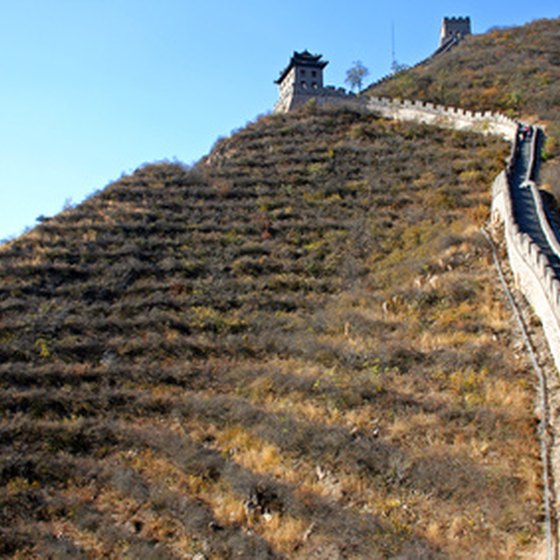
(305, 71)
(454, 28)
(301, 79)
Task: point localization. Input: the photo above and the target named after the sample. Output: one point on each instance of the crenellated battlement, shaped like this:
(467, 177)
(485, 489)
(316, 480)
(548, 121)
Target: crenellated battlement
(486, 122)
(531, 267)
(454, 28)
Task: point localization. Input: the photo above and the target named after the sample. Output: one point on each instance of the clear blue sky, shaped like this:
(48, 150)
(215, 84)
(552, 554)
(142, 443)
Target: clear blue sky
(92, 89)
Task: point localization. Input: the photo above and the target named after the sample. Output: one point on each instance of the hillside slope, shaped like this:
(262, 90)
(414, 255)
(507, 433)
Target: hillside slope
(297, 349)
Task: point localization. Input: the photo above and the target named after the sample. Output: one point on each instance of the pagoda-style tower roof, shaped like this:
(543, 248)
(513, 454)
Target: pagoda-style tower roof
(305, 59)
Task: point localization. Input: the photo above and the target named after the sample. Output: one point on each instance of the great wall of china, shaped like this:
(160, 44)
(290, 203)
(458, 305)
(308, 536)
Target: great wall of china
(445, 117)
(532, 242)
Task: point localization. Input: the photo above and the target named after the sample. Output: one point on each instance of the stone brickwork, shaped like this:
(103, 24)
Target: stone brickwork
(417, 111)
(531, 268)
(326, 96)
(445, 117)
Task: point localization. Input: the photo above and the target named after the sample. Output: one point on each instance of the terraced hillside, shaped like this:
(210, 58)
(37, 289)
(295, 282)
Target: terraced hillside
(296, 349)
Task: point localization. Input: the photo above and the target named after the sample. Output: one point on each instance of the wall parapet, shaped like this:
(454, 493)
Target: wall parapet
(486, 122)
(295, 97)
(531, 267)
(543, 219)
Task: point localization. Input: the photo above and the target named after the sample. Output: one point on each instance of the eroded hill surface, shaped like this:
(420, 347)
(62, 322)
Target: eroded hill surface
(297, 349)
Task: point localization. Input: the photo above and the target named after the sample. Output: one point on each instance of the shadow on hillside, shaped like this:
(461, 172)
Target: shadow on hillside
(326, 517)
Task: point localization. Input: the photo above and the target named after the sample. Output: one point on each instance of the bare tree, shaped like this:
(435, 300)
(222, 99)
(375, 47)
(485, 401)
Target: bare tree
(355, 75)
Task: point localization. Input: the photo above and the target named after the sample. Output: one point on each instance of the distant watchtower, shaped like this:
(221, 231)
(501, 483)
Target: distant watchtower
(302, 79)
(305, 71)
(454, 29)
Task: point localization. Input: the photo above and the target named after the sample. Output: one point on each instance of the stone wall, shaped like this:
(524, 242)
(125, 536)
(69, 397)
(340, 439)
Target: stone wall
(445, 117)
(418, 111)
(532, 271)
(329, 95)
(531, 268)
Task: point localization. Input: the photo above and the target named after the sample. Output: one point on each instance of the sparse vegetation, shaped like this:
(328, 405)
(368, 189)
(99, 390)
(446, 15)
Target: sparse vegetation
(292, 349)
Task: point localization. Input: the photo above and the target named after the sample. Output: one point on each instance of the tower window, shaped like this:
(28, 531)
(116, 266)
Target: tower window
(314, 73)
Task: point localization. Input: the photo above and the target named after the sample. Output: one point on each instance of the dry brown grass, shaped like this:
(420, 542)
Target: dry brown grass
(295, 351)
